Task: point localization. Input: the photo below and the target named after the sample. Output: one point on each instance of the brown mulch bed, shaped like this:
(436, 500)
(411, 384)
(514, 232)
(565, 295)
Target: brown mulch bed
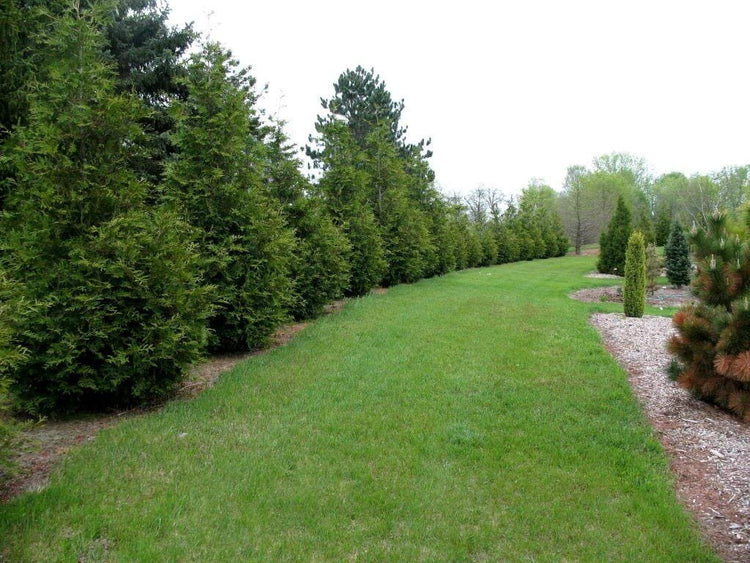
(45, 444)
(708, 449)
(663, 296)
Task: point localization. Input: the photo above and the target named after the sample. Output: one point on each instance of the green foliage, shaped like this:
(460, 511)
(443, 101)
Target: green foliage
(404, 236)
(634, 292)
(11, 357)
(215, 185)
(654, 265)
(367, 259)
(712, 343)
(320, 268)
(613, 243)
(677, 253)
(106, 293)
(663, 225)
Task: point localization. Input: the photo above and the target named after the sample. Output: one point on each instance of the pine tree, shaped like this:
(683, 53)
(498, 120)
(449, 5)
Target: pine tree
(614, 242)
(712, 343)
(677, 254)
(108, 301)
(215, 184)
(634, 292)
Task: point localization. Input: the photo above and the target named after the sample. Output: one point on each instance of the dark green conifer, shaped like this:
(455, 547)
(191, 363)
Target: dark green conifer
(106, 295)
(677, 254)
(614, 241)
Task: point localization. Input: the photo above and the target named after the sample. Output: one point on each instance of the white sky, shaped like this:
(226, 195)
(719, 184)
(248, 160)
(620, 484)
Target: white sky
(512, 90)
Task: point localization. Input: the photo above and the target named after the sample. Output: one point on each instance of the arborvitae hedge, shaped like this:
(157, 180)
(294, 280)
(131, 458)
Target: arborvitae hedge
(634, 292)
(215, 184)
(677, 257)
(106, 292)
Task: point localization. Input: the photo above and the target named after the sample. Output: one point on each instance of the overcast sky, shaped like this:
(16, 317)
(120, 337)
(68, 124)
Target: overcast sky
(509, 91)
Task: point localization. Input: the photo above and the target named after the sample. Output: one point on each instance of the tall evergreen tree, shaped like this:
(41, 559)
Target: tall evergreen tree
(215, 183)
(677, 254)
(614, 242)
(107, 295)
(320, 268)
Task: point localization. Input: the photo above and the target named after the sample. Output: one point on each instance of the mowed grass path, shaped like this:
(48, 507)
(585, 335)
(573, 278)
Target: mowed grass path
(472, 417)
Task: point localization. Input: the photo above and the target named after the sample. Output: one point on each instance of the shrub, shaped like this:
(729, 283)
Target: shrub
(367, 257)
(634, 293)
(614, 241)
(118, 321)
(320, 269)
(677, 254)
(712, 344)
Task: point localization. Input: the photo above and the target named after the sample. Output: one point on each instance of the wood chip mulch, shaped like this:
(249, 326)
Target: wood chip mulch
(708, 448)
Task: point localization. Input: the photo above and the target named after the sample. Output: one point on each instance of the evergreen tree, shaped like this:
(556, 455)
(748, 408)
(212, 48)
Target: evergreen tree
(215, 185)
(634, 292)
(107, 298)
(677, 253)
(613, 243)
(320, 268)
(345, 188)
(663, 225)
(712, 343)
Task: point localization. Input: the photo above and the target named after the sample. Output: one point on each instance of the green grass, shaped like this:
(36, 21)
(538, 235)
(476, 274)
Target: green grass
(472, 417)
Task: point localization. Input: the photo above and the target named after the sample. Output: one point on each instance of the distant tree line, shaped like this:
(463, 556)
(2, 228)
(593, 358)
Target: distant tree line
(150, 211)
(589, 198)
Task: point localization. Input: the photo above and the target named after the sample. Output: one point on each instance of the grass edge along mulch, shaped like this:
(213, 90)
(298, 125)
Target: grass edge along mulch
(472, 417)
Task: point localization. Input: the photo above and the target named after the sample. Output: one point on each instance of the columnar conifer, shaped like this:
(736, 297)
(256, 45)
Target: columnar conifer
(634, 292)
(677, 254)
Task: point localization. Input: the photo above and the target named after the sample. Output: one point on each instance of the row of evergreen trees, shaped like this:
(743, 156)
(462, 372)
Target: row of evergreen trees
(151, 213)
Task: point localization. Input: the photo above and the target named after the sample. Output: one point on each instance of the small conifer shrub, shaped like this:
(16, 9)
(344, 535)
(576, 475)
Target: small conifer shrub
(634, 294)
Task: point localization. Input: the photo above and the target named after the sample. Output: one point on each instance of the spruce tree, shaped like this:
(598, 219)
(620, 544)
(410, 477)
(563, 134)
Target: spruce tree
(215, 183)
(107, 299)
(614, 242)
(634, 292)
(712, 344)
(677, 253)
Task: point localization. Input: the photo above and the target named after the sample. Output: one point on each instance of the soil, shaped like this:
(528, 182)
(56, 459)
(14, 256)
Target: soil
(663, 296)
(43, 446)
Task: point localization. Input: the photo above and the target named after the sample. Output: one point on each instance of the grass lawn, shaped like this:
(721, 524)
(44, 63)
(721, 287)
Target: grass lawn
(472, 417)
